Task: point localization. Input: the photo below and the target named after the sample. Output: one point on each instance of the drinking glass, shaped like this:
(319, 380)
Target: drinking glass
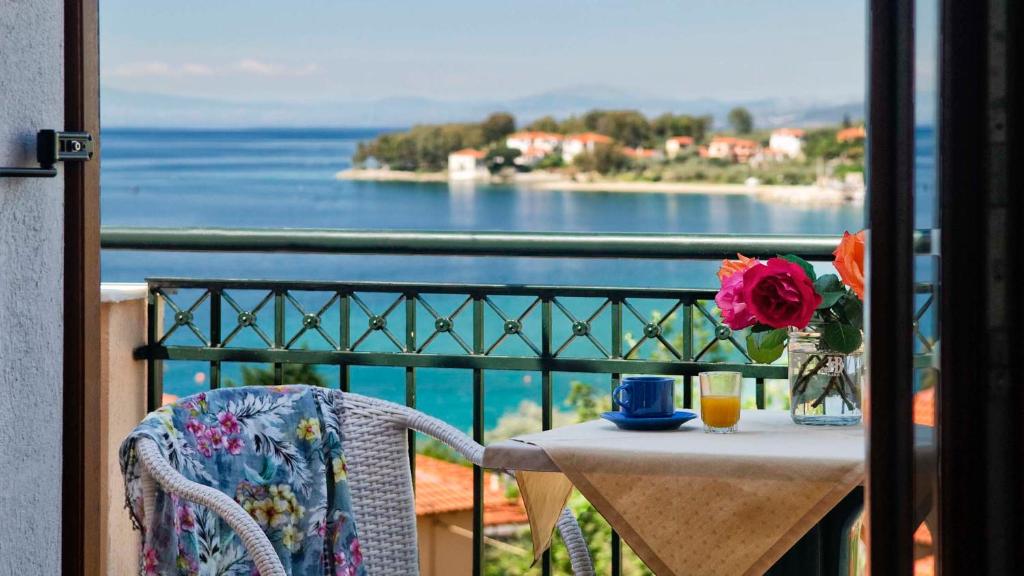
(720, 401)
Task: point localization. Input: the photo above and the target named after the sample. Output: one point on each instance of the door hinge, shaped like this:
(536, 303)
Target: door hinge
(52, 147)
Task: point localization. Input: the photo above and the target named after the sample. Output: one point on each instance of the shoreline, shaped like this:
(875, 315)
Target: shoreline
(792, 194)
(381, 175)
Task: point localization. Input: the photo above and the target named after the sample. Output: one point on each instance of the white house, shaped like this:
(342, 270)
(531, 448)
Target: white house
(787, 141)
(467, 164)
(577, 144)
(677, 144)
(534, 141)
(732, 149)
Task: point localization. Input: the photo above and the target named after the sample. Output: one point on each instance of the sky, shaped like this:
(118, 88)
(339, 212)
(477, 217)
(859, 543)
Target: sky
(320, 50)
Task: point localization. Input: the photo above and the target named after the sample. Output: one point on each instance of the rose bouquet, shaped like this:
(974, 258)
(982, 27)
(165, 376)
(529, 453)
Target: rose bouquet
(782, 302)
(784, 293)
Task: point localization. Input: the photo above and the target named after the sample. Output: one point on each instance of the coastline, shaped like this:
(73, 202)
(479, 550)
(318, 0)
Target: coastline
(381, 175)
(792, 194)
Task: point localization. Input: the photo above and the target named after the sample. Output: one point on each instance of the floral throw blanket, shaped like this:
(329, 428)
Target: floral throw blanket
(278, 452)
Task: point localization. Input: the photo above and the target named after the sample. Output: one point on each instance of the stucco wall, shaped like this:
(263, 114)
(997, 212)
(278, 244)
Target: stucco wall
(31, 276)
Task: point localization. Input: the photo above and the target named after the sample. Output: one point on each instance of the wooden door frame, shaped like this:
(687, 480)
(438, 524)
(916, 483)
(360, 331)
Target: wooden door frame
(890, 301)
(80, 533)
(981, 147)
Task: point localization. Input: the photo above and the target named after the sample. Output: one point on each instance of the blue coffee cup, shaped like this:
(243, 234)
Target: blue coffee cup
(646, 396)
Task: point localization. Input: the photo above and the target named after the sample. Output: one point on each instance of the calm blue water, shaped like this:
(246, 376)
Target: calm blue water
(285, 178)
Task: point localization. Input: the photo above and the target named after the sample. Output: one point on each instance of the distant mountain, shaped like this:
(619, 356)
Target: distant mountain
(121, 108)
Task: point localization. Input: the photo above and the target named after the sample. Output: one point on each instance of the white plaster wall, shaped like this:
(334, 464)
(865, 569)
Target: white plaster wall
(31, 280)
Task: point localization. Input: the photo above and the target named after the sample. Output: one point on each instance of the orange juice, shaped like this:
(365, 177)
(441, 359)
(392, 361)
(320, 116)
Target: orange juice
(720, 411)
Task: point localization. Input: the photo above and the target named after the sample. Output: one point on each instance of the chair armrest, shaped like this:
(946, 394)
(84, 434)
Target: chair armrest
(256, 542)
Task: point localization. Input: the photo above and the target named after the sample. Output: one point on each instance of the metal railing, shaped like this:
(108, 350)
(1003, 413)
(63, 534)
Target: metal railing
(555, 329)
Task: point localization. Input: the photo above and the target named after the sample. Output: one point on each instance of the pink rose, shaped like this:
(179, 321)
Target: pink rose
(779, 294)
(729, 299)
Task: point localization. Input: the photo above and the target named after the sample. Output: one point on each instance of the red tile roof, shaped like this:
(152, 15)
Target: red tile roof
(478, 154)
(924, 407)
(850, 134)
(448, 487)
(590, 137)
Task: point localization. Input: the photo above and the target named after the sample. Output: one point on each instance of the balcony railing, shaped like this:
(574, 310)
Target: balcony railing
(477, 328)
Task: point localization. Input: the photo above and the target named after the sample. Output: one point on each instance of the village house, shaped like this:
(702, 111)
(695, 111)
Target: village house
(577, 144)
(444, 515)
(677, 144)
(732, 149)
(535, 141)
(786, 142)
(467, 164)
(851, 134)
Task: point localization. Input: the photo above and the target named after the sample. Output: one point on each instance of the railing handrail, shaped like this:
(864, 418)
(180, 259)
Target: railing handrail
(462, 243)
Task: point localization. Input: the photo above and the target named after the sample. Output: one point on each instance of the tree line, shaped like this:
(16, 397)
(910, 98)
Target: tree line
(426, 146)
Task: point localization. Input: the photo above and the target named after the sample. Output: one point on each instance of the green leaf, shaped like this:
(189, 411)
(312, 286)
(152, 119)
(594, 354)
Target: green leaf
(831, 290)
(841, 337)
(801, 263)
(767, 347)
(852, 310)
(761, 328)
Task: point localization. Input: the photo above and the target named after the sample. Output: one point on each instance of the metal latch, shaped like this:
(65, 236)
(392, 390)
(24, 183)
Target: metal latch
(53, 147)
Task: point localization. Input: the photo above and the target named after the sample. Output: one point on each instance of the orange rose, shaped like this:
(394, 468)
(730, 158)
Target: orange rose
(850, 261)
(730, 267)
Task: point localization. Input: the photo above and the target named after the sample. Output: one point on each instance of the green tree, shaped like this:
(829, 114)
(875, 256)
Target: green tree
(668, 125)
(629, 127)
(741, 120)
(572, 125)
(500, 158)
(544, 124)
(497, 126)
(605, 159)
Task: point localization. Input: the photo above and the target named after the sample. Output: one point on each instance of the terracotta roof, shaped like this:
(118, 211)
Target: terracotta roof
(590, 137)
(744, 143)
(723, 140)
(478, 154)
(924, 407)
(448, 487)
(797, 132)
(685, 140)
(848, 134)
(534, 135)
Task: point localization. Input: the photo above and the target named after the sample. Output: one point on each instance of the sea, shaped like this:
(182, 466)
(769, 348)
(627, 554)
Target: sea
(285, 178)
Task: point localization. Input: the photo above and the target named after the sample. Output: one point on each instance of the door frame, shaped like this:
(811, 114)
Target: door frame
(80, 530)
(890, 274)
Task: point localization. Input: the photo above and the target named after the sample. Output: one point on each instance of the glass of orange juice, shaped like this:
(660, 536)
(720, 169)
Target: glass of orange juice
(720, 401)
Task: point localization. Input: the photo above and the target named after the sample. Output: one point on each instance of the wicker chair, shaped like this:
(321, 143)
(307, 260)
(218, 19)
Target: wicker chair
(376, 450)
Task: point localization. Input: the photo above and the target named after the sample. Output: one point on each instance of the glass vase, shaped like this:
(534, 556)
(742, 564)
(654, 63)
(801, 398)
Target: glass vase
(824, 385)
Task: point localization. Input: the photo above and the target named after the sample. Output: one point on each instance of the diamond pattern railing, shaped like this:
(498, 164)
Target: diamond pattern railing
(545, 329)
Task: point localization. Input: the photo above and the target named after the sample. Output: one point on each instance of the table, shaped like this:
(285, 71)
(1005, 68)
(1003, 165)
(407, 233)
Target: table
(689, 502)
